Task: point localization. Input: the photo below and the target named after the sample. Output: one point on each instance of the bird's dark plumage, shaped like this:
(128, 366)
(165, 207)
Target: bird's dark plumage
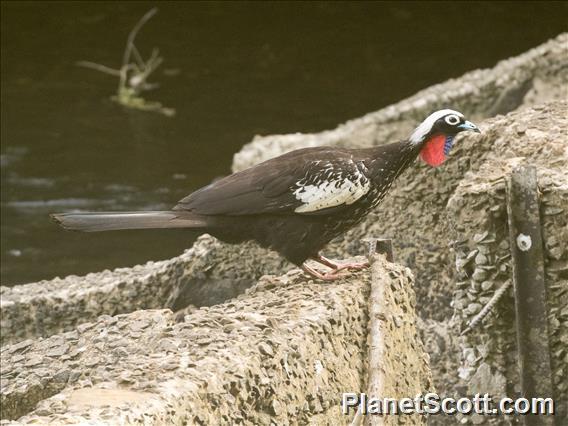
(295, 203)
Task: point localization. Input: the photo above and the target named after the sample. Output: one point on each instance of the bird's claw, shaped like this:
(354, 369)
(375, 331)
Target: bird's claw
(354, 266)
(330, 276)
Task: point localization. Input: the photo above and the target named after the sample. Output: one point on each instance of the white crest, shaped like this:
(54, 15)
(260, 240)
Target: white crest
(424, 128)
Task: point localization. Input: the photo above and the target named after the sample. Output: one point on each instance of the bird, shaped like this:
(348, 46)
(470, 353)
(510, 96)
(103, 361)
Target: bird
(298, 202)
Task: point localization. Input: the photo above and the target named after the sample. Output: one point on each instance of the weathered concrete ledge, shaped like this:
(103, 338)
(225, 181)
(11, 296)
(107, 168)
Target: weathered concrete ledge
(281, 353)
(48, 307)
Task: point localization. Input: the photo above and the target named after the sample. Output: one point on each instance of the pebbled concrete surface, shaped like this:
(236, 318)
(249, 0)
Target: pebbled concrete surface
(205, 273)
(281, 353)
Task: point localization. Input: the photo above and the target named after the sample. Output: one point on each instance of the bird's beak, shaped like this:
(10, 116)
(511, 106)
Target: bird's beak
(468, 125)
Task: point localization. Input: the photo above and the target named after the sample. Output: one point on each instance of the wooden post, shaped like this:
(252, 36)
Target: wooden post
(529, 287)
(379, 246)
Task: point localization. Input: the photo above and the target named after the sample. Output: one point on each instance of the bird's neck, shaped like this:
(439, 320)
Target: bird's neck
(392, 159)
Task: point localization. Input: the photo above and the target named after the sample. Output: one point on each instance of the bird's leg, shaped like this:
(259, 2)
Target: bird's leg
(340, 266)
(331, 276)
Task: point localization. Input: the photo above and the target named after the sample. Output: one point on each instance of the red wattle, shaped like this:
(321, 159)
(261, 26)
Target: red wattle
(433, 150)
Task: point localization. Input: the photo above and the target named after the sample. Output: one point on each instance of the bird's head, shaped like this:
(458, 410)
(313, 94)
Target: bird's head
(436, 134)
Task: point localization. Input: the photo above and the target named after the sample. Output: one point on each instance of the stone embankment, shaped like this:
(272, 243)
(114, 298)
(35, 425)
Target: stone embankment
(283, 352)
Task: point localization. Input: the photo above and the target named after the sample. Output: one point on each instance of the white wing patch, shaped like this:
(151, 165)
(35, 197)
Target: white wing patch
(331, 192)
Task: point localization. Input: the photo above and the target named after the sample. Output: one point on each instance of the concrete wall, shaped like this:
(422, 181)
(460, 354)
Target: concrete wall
(487, 356)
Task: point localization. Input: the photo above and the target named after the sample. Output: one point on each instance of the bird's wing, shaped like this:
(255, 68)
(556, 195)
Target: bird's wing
(309, 181)
(330, 184)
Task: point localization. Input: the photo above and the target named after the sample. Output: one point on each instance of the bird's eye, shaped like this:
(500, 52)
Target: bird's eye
(452, 119)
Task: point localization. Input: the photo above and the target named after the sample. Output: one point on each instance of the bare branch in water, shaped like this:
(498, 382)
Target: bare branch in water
(134, 32)
(137, 57)
(134, 72)
(98, 67)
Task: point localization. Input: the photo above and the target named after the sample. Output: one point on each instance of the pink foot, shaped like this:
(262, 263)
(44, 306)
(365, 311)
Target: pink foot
(331, 276)
(354, 266)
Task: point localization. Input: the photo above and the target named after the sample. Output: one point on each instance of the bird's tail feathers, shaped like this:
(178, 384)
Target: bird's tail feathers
(110, 221)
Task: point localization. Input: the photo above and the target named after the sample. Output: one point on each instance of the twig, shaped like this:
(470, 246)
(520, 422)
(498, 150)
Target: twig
(487, 308)
(134, 32)
(375, 383)
(358, 419)
(134, 72)
(130, 47)
(377, 347)
(98, 67)
(137, 57)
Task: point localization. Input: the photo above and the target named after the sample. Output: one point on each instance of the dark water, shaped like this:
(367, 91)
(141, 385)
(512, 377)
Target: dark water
(244, 69)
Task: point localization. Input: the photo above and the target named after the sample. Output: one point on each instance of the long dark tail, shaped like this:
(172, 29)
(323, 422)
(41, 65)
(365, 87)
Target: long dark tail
(93, 222)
